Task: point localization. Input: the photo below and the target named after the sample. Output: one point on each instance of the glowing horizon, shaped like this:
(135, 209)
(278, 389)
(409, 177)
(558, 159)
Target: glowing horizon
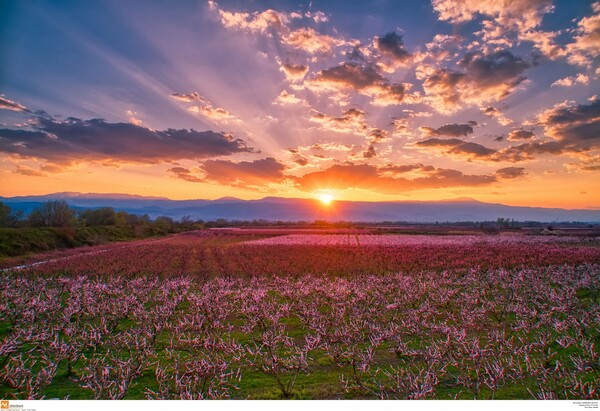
(385, 101)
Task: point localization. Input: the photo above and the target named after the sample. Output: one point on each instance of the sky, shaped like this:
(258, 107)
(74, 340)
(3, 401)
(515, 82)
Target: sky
(495, 100)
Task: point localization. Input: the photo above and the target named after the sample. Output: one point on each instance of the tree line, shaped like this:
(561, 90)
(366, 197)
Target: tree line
(59, 214)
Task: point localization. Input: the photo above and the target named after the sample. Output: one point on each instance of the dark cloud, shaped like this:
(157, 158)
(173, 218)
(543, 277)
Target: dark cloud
(501, 67)
(392, 46)
(486, 77)
(363, 79)
(370, 151)
(376, 179)
(574, 129)
(520, 134)
(442, 87)
(352, 75)
(301, 161)
(454, 130)
(6, 104)
(74, 140)
(510, 172)
(458, 147)
(375, 135)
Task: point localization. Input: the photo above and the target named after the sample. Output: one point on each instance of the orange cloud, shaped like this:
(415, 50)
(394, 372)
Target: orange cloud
(377, 179)
(510, 14)
(253, 22)
(287, 98)
(307, 39)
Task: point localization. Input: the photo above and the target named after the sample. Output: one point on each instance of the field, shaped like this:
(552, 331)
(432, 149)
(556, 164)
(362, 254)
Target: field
(271, 314)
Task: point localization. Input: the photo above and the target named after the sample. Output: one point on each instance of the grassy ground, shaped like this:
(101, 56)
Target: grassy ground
(19, 241)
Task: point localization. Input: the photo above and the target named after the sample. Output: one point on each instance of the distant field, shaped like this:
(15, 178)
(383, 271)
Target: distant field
(305, 314)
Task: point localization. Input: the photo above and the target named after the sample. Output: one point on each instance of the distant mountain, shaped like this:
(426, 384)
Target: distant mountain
(296, 209)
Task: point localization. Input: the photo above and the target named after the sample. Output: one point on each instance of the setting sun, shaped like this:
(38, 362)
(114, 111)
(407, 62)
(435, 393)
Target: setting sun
(325, 198)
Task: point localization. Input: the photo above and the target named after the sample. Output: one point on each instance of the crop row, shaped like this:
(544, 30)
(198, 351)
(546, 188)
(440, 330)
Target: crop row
(211, 255)
(521, 333)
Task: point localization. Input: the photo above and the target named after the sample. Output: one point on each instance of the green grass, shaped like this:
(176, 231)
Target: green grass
(21, 241)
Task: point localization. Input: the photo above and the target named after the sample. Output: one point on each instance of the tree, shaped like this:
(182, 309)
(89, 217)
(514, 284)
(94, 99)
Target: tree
(52, 214)
(99, 216)
(8, 217)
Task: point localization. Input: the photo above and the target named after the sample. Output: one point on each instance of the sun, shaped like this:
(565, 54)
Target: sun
(325, 198)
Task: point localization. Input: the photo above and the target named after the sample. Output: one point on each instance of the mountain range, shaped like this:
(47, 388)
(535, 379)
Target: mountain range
(296, 209)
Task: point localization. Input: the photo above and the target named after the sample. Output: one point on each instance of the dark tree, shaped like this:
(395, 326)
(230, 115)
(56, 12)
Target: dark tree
(52, 214)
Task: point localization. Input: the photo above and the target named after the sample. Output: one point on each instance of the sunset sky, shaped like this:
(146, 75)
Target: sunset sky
(497, 100)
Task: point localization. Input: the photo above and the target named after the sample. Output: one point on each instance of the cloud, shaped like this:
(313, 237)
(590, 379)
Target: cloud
(204, 108)
(212, 113)
(443, 47)
(294, 72)
(257, 174)
(383, 180)
(486, 78)
(391, 48)
(497, 114)
(458, 147)
(520, 134)
(510, 172)
(185, 174)
(301, 161)
(586, 45)
(6, 104)
(441, 88)
(244, 174)
(510, 14)
(131, 116)
(310, 41)
(574, 129)
(287, 98)
(545, 42)
(277, 25)
(352, 121)
(375, 136)
(28, 171)
(589, 163)
(454, 130)
(571, 81)
(576, 125)
(190, 97)
(74, 140)
(257, 22)
(362, 79)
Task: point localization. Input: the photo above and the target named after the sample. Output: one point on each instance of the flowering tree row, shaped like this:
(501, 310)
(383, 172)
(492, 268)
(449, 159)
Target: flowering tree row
(211, 254)
(465, 333)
